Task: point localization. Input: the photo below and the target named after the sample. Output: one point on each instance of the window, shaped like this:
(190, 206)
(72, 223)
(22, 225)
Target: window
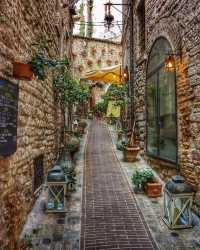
(161, 105)
(141, 27)
(38, 172)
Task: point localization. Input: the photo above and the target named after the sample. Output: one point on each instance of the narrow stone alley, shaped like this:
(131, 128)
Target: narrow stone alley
(111, 218)
(99, 125)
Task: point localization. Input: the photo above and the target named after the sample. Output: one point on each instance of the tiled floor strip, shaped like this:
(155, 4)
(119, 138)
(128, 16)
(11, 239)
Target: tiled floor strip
(110, 217)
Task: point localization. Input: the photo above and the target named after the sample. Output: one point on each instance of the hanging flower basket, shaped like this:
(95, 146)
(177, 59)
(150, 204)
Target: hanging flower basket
(111, 52)
(93, 51)
(22, 71)
(89, 63)
(80, 68)
(99, 62)
(109, 62)
(103, 51)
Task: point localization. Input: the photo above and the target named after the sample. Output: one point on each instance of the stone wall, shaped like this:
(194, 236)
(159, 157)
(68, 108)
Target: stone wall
(91, 54)
(178, 21)
(40, 120)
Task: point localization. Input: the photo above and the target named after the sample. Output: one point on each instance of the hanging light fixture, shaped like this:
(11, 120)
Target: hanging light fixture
(170, 64)
(109, 18)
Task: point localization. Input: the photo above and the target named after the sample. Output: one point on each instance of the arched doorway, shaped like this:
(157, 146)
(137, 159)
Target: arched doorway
(161, 126)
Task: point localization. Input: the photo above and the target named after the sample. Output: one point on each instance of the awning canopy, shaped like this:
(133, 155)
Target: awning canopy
(111, 75)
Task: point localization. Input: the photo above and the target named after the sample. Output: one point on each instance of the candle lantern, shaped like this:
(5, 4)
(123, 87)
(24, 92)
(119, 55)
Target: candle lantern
(178, 198)
(56, 190)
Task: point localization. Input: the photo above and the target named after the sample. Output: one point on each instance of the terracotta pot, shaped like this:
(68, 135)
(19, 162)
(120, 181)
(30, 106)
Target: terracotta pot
(153, 189)
(130, 153)
(22, 71)
(82, 130)
(119, 135)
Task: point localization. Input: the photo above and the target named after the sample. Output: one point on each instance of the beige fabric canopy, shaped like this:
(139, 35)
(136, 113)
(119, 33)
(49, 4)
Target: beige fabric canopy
(111, 75)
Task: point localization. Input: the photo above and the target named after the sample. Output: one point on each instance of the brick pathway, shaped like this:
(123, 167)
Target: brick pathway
(110, 217)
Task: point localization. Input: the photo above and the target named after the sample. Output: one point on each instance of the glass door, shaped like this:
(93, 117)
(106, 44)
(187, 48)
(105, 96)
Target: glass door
(161, 115)
(167, 116)
(152, 130)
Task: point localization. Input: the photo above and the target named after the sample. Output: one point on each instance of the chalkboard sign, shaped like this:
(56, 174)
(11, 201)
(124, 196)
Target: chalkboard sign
(8, 117)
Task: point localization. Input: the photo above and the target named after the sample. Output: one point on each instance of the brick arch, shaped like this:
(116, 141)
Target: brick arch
(163, 29)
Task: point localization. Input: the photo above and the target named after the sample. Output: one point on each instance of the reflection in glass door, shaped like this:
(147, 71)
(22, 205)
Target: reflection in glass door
(161, 115)
(167, 115)
(152, 133)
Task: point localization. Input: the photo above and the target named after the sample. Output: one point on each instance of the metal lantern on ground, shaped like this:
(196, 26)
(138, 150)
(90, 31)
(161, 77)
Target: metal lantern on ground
(178, 198)
(56, 190)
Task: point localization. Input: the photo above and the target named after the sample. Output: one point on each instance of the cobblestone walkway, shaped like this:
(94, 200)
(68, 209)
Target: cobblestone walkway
(110, 216)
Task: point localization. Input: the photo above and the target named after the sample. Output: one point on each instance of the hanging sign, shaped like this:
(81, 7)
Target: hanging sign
(113, 110)
(8, 117)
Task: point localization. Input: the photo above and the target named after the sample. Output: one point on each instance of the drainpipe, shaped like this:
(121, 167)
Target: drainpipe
(132, 66)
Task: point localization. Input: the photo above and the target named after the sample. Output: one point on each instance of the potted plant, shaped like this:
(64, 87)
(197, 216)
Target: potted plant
(103, 51)
(89, 63)
(132, 149)
(144, 180)
(22, 71)
(82, 126)
(109, 62)
(71, 177)
(80, 68)
(99, 61)
(93, 51)
(116, 62)
(73, 145)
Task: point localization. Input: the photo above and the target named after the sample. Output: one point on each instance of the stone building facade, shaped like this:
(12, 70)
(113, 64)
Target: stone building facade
(92, 54)
(40, 119)
(163, 29)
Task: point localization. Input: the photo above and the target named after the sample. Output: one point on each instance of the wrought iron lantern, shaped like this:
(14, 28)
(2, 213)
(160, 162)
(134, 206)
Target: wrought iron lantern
(56, 190)
(109, 18)
(170, 64)
(178, 198)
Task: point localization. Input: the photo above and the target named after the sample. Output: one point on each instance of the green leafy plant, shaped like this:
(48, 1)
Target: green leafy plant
(121, 145)
(100, 107)
(117, 94)
(82, 124)
(70, 92)
(141, 177)
(40, 63)
(28, 239)
(73, 145)
(71, 176)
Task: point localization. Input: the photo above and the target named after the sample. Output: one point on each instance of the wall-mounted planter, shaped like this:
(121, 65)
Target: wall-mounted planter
(89, 63)
(99, 62)
(109, 62)
(22, 71)
(80, 68)
(103, 51)
(93, 51)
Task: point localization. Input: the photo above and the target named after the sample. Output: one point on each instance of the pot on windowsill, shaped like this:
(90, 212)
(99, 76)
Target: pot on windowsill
(130, 153)
(153, 189)
(22, 71)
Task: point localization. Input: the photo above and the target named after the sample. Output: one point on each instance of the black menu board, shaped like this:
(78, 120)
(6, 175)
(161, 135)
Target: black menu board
(8, 117)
